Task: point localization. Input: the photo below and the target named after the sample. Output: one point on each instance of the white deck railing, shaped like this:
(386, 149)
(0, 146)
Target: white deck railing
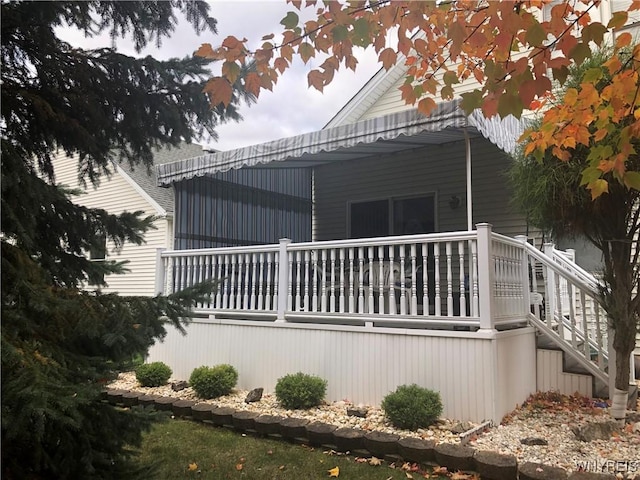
(468, 279)
(474, 280)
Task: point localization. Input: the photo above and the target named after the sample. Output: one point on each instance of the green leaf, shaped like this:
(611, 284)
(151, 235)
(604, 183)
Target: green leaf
(632, 180)
(618, 19)
(561, 74)
(592, 75)
(339, 33)
(580, 52)
(450, 78)
(361, 32)
(510, 104)
(589, 175)
(471, 101)
(290, 21)
(599, 152)
(594, 32)
(598, 187)
(536, 35)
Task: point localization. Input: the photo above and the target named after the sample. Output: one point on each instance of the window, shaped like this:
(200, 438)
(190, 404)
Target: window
(393, 216)
(98, 253)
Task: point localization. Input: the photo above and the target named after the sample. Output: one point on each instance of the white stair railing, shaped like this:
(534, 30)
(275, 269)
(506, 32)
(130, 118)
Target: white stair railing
(573, 316)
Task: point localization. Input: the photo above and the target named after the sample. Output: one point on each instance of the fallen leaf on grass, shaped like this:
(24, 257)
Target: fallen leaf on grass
(281, 467)
(461, 476)
(375, 461)
(334, 472)
(239, 466)
(408, 475)
(440, 470)
(193, 467)
(361, 460)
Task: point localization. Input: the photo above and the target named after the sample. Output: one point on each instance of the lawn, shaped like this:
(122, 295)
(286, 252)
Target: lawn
(183, 449)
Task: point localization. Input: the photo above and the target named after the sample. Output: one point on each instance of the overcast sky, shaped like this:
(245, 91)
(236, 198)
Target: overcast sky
(292, 107)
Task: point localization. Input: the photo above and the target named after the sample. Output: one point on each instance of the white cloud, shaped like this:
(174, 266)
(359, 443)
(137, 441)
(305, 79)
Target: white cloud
(291, 108)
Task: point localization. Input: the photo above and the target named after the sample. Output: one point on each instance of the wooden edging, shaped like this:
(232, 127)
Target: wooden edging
(391, 447)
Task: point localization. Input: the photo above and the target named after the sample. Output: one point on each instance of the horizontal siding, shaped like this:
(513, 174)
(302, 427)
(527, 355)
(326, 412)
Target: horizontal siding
(438, 170)
(116, 195)
(360, 366)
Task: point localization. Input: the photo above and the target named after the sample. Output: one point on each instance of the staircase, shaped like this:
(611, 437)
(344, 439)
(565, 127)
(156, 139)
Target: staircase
(571, 324)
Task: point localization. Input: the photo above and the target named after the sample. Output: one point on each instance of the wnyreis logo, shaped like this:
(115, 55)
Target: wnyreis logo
(609, 466)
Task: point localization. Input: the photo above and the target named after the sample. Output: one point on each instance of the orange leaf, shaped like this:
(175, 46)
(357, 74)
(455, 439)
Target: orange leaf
(239, 466)
(219, 91)
(388, 58)
(205, 51)
(623, 40)
(316, 79)
(334, 472)
(193, 467)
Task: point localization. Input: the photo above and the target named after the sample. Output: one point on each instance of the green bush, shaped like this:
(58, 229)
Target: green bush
(212, 382)
(411, 407)
(300, 390)
(153, 374)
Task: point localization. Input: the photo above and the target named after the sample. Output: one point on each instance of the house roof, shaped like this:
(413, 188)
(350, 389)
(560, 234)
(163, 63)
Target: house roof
(147, 181)
(377, 136)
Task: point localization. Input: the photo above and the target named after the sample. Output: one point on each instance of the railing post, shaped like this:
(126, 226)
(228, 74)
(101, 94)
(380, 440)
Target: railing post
(160, 273)
(283, 278)
(550, 288)
(486, 276)
(524, 273)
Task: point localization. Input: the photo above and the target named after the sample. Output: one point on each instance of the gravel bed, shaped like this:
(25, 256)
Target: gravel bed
(549, 417)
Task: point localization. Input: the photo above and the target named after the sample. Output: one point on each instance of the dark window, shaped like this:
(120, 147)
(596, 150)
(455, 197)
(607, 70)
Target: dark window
(393, 216)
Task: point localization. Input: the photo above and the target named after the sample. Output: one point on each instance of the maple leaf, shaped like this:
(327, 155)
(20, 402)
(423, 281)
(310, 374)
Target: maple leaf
(460, 476)
(239, 466)
(192, 467)
(375, 461)
(334, 472)
(219, 91)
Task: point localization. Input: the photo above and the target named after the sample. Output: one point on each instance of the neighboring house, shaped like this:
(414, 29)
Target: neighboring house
(130, 189)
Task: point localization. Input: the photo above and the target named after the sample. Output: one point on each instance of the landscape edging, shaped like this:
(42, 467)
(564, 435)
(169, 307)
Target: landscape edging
(466, 455)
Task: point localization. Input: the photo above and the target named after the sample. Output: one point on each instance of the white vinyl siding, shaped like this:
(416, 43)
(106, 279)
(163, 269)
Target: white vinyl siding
(117, 195)
(438, 170)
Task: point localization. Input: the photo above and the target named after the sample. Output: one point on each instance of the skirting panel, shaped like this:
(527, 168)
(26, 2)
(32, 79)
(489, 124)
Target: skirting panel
(360, 365)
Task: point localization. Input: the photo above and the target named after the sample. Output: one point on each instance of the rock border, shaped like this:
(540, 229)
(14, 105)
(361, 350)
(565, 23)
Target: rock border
(491, 465)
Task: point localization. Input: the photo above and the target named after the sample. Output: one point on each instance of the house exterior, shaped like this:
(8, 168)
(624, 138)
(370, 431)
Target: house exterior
(406, 265)
(131, 189)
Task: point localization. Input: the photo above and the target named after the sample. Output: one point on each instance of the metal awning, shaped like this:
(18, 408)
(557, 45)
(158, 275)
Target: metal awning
(377, 136)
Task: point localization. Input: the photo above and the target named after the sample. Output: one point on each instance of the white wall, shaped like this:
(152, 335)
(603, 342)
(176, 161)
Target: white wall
(117, 195)
(363, 365)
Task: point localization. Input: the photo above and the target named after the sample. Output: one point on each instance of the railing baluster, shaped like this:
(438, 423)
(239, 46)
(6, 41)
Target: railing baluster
(351, 280)
(332, 276)
(463, 298)
(290, 282)
(414, 281)
(247, 277)
(298, 279)
(585, 326)
(572, 315)
(449, 280)
(403, 296)
(391, 280)
(274, 280)
(436, 273)
(474, 282)
(361, 305)
(425, 279)
(341, 280)
(306, 282)
(323, 295)
(316, 280)
(270, 298)
(260, 281)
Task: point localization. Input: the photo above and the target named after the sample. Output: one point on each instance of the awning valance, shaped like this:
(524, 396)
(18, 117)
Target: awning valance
(389, 133)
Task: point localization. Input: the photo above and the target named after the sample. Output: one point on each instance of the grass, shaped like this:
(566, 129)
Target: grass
(182, 450)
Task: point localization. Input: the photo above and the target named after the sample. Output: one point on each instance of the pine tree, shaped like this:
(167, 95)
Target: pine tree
(60, 343)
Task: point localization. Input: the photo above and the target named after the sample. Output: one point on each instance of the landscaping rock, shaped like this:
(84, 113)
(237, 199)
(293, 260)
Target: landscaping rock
(461, 427)
(360, 412)
(533, 441)
(147, 400)
(416, 449)
(130, 399)
(254, 395)
(495, 466)
(165, 403)
(268, 424)
(320, 433)
(183, 408)
(348, 439)
(293, 427)
(180, 385)
(596, 430)
(539, 471)
(115, 396)
(222, 416)
(244, 420)
(202, 411)
(454, 457)
(381, 444)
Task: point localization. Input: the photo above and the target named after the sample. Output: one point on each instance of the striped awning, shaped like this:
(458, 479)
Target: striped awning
(376, 136)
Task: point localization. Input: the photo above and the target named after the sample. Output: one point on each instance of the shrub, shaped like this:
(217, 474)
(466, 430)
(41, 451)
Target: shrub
(411, 407)
(300, 390)
(154, 374)
(212, 382)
